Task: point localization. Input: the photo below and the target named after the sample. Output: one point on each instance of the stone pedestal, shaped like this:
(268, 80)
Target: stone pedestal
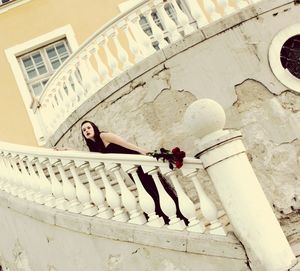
(224, 157)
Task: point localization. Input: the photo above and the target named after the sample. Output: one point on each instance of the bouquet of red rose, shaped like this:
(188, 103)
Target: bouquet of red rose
(174, 157)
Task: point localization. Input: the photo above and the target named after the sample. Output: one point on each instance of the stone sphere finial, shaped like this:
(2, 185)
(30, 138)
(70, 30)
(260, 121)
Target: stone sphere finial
(204, 117)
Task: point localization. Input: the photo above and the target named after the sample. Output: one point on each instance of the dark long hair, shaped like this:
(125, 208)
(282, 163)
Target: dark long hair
(97, 145)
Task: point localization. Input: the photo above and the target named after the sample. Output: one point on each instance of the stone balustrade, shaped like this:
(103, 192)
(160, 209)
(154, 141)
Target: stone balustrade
(106, 186)
(110, 187)
(117, 46)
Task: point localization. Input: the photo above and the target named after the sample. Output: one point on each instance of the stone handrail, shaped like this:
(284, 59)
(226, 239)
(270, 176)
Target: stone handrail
(105, 186)
(116, 47)
(109, 186)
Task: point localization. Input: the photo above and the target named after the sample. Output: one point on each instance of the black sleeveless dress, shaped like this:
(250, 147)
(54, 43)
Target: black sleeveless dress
(149, 183)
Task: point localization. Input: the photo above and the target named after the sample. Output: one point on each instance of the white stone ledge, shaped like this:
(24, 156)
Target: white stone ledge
(74, 222)
(160, 57)
(203, 244)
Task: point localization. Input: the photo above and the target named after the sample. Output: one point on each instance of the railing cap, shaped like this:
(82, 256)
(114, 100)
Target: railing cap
(204, 117)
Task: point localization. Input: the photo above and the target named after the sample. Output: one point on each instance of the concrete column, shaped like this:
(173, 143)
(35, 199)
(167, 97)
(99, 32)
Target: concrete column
(224, 157)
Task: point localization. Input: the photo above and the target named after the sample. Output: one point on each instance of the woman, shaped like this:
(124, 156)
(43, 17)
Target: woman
(105, 142)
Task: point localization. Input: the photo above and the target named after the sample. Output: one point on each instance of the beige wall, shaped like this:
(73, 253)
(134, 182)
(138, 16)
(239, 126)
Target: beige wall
(31, 20)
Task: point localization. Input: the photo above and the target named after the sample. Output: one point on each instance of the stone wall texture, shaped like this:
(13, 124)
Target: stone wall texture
(36, 238)
(226, 61)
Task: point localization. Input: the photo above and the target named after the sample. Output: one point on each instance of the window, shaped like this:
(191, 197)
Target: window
(34, 61)
(284, 56)
(290, 55)
(39, 65)
(2, 2)
(6, 5)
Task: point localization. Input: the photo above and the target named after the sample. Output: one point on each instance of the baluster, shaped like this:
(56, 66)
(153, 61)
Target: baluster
(91, 73)
(17, 182)
(43, 134)
(60, 104)
(197, 12)
(128, 199)
(241, 4)
(4, 172)
(102, 68)
(48, 114)
(112, 197)
(63, 107)
(85, 79)
(69, 191)
(143, 40)
(58, 117)
(167, 22)
(208, 208)
(227, 9)
(97, 196)
(158, 34)
(12, 176)
(111, 60)
(166, 203)
(71, 93)
(44, 113)
(20, 187)
(45, 185)
(65, 101)
(53, 112)
(183, 19)
(9, 186)
(133, 45)
(78, 88)
(38, 197)
(82, 192)
(122, 54)
(186, 206)
(27, 181)
(56, 186)
(210, 9)
(147, 203)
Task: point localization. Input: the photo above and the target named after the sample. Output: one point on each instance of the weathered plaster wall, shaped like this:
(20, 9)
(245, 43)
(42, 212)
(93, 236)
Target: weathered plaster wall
(226, 61)
(36, 238)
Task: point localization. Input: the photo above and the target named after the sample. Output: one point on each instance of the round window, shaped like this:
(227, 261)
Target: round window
(290, 55)
(284, 56)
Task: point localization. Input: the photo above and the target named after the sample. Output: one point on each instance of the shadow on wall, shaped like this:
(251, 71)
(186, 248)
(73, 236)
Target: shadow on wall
(270, 127)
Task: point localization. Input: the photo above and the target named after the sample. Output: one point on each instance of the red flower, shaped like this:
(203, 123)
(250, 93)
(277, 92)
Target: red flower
(174, 157)
(178, 164)
(181, 154)
(176, 150)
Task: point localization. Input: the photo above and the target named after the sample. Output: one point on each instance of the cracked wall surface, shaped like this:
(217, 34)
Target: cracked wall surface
(270, 125)
(47, 246)
(232, 68)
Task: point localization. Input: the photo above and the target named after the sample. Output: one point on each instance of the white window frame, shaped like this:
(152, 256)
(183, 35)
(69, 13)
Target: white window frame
(12, 54)
(7, 6)
(282, 74)
(46, 61)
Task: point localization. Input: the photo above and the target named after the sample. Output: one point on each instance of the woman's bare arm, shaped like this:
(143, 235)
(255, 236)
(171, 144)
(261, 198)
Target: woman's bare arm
(113, 138)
